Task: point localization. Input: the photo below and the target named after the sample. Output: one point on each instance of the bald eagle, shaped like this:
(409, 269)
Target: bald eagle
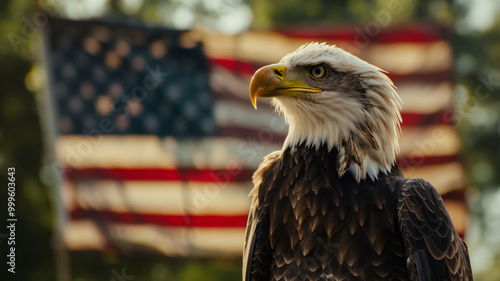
(332, 204)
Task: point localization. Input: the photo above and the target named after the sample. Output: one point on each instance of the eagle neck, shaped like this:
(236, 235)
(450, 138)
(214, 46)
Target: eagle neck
(348, 156)
(365, 149)
(330, 159)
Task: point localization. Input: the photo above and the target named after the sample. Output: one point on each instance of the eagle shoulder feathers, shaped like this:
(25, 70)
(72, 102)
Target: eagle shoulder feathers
(332, 204)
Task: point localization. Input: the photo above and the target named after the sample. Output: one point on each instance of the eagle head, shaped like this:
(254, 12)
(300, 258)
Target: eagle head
(330, 97)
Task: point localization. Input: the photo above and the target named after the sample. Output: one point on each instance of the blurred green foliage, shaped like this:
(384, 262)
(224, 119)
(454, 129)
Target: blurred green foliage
(477, 107)
(20, 147)
(88, 267)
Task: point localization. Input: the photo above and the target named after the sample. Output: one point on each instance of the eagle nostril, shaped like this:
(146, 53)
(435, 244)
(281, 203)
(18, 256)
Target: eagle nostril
(278, 72)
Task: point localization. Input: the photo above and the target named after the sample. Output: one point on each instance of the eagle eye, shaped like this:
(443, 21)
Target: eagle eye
(318, 71)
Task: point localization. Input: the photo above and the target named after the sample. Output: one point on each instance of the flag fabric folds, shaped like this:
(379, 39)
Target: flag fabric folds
(158, 139)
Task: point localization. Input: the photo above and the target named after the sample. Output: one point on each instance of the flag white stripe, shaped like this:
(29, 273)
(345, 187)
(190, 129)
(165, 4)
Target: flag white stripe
(437, 140)
(444, 177)
(425, 98)
(170, 241)
(409, 58)
(163, 197)
(149, 151)
(84, 235)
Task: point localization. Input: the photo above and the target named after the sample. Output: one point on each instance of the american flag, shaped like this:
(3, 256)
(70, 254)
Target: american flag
(158, 139)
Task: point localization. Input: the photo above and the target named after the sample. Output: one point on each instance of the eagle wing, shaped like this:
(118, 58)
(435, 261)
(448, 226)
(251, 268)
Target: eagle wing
(257, 249)
(434, 250)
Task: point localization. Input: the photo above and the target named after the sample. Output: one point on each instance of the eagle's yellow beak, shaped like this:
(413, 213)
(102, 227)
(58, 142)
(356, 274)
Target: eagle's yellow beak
(270, 81)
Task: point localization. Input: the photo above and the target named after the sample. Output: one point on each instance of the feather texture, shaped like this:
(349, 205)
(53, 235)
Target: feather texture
(332, 204)
(433, 247)
(390, 228)
(321, 231)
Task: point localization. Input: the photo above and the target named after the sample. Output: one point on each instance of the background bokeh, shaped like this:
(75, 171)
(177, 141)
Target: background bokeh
(474, 28)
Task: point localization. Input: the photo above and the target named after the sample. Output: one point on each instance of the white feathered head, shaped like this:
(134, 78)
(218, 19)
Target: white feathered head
(330, 97)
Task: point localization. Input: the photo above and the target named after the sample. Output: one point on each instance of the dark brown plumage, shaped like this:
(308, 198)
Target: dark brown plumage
(312, 225)
(332, 204)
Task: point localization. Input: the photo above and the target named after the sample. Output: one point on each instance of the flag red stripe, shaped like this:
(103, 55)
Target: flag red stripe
(456, 195)
(207, 221)
(417, 161)
(364, 34)
(412, 119)
(239, 221)
(158, 174)
(235, 66)
(241, 175)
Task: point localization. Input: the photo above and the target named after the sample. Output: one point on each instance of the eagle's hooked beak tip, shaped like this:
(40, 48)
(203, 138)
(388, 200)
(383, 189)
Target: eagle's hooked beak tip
(253, 99)
(264, 82)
